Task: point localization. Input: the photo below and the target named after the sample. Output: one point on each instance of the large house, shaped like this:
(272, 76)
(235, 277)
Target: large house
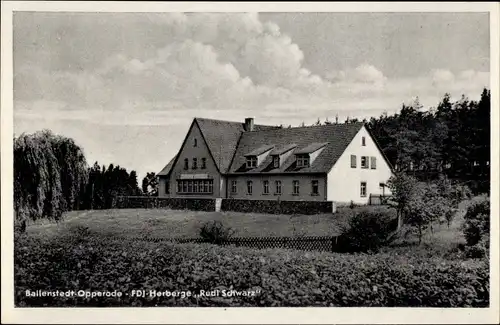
(221, 159)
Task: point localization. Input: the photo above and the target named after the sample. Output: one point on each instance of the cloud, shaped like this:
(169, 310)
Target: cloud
(210, 61)
(163, 69)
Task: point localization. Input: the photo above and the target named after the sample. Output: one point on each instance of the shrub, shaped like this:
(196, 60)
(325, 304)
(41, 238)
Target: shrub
(280, 278)
(477, 222)
(215, 232)
(368, 231)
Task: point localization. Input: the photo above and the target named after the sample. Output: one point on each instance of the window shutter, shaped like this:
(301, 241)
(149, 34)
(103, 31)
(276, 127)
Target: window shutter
(353, 161)
(373, 162)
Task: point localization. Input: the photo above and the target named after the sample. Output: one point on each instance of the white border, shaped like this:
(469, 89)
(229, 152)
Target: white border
(236, 315)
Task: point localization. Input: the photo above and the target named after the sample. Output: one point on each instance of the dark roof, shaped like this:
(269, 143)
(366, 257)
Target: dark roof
(311, 148)
(259, 151)
(222, 138)
(166, 170)
(282, 149)
(338, 137)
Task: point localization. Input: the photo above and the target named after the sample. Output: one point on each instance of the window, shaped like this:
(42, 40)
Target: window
(266, 187)
(195, 144)
(364, 162)
(195, 186)
(249, 187)
(167, 188)
(363, 189)
(276, 161)
(363, 141)
(315, 187)
(302, 160)
(251, 162)
(186, 163)
(278, 187)
(195, 163)
(203, 163)
(233, 187)
(382, 188)
(353, 161)
(373, 162)
(295, 187)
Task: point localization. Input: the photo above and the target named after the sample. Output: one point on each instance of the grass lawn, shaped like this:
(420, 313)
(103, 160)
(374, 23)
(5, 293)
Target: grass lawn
(162, 223)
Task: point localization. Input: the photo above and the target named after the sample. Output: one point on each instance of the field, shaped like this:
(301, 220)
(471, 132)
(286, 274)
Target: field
(160, 223)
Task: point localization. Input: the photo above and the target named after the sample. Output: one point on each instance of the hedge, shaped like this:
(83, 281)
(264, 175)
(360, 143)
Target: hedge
(276, 277)
(145, 202)
(237, 205)
(277, 207)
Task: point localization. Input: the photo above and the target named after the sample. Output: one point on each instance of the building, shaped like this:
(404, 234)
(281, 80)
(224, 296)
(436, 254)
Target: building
(221, 159)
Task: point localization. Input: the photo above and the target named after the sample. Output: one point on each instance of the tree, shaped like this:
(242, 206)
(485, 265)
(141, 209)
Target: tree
(49, 174)
(150, 184)
(404, 188)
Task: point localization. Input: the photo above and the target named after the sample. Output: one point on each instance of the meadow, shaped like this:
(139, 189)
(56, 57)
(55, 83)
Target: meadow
(100, 251)
(163, 223)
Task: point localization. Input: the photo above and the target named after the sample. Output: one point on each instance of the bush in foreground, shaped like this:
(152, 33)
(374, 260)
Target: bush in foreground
(215, 232)
(476, 229)
(278, 277)
(368, 232)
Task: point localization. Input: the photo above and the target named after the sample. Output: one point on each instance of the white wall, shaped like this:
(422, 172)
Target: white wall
(344, 182)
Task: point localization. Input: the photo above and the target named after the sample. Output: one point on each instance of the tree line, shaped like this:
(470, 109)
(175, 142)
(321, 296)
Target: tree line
(451, 139)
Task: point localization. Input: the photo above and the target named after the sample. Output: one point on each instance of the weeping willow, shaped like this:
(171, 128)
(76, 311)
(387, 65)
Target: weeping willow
(50, 172)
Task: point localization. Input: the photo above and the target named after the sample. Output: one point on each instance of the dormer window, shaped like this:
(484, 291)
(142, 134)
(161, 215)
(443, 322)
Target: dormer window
(251, 162)
(302, 160)
(276, 161)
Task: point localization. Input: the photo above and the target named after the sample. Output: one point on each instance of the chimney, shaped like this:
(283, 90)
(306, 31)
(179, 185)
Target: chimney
(249, 124)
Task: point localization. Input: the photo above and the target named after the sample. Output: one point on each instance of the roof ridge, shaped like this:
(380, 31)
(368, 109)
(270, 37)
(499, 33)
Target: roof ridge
(312, 126)
(226, 121)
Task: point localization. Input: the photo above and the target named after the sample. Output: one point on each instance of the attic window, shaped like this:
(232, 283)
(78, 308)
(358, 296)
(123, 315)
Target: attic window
(195, 144)
(302, 160)
(276, 161)
(363, 141)
(251, 162)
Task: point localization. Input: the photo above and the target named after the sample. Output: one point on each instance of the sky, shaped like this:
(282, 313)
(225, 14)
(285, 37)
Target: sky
(126, 86)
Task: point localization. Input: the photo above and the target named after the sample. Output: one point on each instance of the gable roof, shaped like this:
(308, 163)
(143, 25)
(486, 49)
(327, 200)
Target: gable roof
(333, 137)
(222, 138)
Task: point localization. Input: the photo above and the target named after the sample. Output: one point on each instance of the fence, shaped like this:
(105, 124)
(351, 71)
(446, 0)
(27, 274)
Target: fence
(313, 243)
(376, 199)
(337, 244)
